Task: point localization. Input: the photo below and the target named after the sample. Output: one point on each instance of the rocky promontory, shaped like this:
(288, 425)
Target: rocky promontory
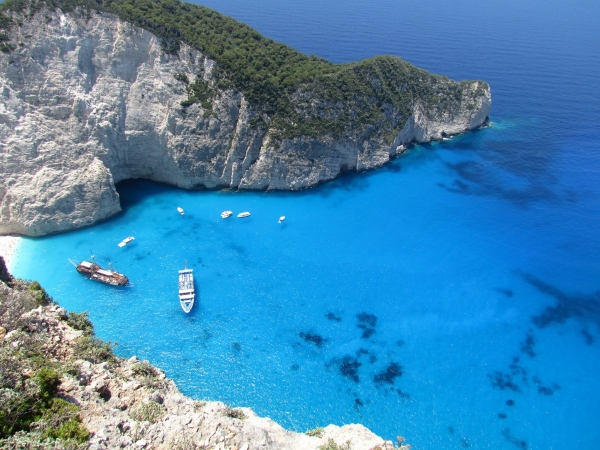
(61, 387)
(88, 99)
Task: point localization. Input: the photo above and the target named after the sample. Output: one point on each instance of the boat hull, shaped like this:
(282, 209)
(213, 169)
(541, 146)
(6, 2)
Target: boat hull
(94, 272)
(187, 291)
(186, 307)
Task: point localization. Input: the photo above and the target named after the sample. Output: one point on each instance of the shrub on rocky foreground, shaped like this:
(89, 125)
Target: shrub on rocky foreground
(29, 384)
(31, 414)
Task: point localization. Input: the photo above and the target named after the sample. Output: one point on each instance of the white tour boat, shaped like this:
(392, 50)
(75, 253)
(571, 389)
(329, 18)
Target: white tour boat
(244, 214)
(281, 219)
(226, 214)
(126, 241)
(180, 210)
(186, 289)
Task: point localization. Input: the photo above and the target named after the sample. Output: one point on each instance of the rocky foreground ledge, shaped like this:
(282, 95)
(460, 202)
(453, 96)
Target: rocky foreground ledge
(63, 388)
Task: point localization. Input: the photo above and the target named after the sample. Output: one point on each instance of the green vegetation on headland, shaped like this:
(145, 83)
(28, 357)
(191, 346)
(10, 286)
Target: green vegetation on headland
(295, 94)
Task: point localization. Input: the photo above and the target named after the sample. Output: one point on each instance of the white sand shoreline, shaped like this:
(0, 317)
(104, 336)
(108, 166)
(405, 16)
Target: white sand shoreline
(8, 249)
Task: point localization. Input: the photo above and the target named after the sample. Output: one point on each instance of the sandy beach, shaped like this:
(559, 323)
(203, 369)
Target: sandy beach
(8, 249)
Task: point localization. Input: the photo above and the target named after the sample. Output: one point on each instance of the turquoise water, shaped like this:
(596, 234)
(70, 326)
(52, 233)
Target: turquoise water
(450, 297)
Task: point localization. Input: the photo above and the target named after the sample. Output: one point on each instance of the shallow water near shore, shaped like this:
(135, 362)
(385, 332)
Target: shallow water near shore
(450, 297)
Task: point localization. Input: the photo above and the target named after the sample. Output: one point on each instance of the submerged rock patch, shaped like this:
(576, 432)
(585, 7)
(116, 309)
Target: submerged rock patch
(402, 394)
(587, 336)
(348, 367)
(528, 344)
(367, 323)
(369, 319)
(513, 440)
(331, 316)
(313, 338)
(503, 381)
(585, 307)
(507, 292)
(389, 375)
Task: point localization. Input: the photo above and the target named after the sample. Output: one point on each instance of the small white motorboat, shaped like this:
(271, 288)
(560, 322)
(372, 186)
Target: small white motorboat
(244, 214)
(180, 210)
(281, 219)
(226, 214)
(126, 241)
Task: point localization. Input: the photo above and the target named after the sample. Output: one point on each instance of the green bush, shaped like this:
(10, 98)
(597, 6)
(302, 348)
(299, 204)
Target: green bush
(332, 445)
(63, 422)
(35, 286)
(198, 405)
(317, 432)
(149, 411)
(6, 47)
(48, 380)
(71, 430)
(32, 440)
(81, 321)
(234, 413)
(144, 369)
(93, 350)
(41, 296)
(17, 413)
(199, 92)
(182, 77)
(26, 408)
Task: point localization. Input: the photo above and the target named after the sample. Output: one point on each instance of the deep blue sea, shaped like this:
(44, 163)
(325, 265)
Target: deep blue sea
(452, 297)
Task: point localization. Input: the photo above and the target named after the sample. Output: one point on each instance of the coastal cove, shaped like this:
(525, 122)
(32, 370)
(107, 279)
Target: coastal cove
(450, 296)
(239, 112)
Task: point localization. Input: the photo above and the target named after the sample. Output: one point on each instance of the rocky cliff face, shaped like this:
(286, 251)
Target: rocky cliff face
(86, 102)
(4, 275)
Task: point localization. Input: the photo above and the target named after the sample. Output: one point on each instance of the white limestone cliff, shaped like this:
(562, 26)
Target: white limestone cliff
(86, 102)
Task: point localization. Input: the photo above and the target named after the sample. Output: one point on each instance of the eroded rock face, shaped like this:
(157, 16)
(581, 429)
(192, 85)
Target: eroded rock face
(86, 102)
(4, 275)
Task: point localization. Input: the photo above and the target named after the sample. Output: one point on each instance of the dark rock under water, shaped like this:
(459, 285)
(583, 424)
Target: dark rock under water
(389, 375)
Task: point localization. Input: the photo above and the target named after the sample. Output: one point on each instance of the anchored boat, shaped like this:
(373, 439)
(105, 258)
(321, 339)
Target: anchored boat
(94, 272)
(126, 241)
(186, 289)
(180, 210)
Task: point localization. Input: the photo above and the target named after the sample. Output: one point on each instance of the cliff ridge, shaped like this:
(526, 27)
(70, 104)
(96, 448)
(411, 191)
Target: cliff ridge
(88, 99)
